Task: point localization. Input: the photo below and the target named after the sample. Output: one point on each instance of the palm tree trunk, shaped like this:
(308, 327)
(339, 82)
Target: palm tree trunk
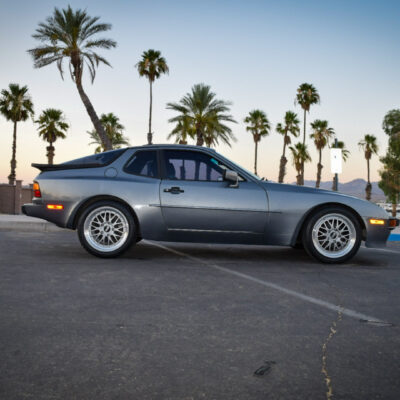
(13, 163)
(304, 142)
(200, 137)
(94, 118)
(394, 209)
(50, 153)
(282, 169)
(255, 158)
(150, 134)
(283, 161)
(368, 188)
(298, 178)
(319, 170)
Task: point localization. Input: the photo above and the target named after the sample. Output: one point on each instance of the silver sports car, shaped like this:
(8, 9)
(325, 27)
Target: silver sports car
(185, 193)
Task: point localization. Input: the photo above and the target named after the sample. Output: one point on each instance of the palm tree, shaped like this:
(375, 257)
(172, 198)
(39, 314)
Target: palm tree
(300, 156)
(204, 113)
(215, 131)
(306, 96)
(152, 66)
(259, 127)
(289, 127)
(52, 126)
(183, 130)
(16, 106)
(370, 146)
(70, 34)
(321, 135)
(345, 153)
(114, 130)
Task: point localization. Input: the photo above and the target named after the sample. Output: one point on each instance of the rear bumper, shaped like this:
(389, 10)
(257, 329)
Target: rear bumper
(57, 217)
(377, 235)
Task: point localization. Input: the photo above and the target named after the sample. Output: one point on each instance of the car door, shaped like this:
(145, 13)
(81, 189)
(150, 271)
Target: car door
(198, 205)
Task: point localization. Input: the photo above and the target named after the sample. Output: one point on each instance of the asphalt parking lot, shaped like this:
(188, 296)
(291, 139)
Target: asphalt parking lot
(185, 321)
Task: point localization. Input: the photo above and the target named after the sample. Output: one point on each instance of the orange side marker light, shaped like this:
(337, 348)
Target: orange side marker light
(55, 206)
(373, 221)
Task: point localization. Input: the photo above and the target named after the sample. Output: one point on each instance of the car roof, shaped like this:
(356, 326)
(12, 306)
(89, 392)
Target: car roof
(173, 146)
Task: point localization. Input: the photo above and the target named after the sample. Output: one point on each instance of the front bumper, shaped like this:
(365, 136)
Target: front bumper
(377, 235)
(57, 217)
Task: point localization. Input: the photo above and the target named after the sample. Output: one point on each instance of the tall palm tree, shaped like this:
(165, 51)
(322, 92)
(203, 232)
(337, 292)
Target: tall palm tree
(184, 129)
(52, 126)
(152, 66)
(300, 156)
(289, 127)
(205, 113)
(16, 106)
(321, 135)
(306, 96)
(114, 130)
(369, 146)
(259, 126)
(70, 35)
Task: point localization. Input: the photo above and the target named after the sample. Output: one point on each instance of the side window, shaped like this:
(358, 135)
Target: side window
(143, 163)
(192, 166)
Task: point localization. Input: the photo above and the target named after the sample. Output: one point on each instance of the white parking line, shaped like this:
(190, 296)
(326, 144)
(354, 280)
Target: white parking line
(313, 300)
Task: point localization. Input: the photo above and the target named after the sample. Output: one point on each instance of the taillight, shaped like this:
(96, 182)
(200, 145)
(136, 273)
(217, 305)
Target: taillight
(36, 190)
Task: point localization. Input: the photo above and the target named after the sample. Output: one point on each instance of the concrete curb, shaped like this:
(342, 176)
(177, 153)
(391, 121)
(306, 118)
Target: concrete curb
(23, 223)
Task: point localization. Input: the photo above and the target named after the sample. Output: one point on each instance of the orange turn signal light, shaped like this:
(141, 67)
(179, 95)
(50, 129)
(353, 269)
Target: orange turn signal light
(392, 223)
(373, 221)
(55, 206)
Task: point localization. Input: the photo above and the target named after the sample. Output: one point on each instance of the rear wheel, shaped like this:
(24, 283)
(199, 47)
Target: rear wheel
(106, 229)
(332, 235)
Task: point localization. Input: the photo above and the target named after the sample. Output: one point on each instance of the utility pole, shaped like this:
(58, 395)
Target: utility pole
(336, 178)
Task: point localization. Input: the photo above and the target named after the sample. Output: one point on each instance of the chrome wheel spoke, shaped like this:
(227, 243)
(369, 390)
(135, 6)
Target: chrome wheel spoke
(334, 235)
(106, 229)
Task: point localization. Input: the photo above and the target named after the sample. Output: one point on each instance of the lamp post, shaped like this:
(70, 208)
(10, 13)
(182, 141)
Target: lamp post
(336, 185)
(336, 164)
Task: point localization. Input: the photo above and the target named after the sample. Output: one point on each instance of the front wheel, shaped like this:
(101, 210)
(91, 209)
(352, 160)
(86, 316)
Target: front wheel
(332, 235)
(106, 229)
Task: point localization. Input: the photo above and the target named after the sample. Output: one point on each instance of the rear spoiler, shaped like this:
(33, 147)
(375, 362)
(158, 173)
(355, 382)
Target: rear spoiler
(59, 167)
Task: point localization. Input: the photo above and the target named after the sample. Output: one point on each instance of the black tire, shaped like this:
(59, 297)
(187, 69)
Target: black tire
(329, 241)
(97, 233)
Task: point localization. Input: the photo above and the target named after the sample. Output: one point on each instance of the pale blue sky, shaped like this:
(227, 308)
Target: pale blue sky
(253, 53)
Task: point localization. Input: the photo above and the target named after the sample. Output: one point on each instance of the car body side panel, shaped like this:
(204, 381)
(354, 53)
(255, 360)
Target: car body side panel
(214, 210)
(290, 205)
(73, 188)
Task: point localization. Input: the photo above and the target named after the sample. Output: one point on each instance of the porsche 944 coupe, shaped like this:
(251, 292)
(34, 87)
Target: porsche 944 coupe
(181, 193)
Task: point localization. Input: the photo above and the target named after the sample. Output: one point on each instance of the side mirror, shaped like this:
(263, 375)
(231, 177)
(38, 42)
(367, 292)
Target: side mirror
(232, 177)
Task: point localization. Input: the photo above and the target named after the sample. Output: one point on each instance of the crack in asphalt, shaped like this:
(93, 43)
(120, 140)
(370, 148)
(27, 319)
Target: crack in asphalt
(328, 381)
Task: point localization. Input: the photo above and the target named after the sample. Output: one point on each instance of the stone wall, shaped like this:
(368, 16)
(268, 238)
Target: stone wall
(12, 197)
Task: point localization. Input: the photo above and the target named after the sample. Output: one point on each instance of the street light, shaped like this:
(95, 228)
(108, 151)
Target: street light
(336, 164)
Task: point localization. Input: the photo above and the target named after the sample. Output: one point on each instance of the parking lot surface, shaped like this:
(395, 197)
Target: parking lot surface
(188, 321)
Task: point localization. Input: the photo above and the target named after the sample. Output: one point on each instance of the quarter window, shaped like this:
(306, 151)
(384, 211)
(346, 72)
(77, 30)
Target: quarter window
(143, 163)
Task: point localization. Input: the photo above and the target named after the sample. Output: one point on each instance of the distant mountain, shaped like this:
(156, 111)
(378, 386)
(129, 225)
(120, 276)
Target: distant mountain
(355, 187)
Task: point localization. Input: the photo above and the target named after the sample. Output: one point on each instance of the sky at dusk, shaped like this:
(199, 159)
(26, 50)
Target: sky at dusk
(253, 53)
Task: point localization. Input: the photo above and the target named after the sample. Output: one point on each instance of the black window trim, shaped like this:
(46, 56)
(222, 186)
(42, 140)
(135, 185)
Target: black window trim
(163, 171)
(124, 168)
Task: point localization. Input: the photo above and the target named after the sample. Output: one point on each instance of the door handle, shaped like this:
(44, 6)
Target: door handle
(174, 190)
